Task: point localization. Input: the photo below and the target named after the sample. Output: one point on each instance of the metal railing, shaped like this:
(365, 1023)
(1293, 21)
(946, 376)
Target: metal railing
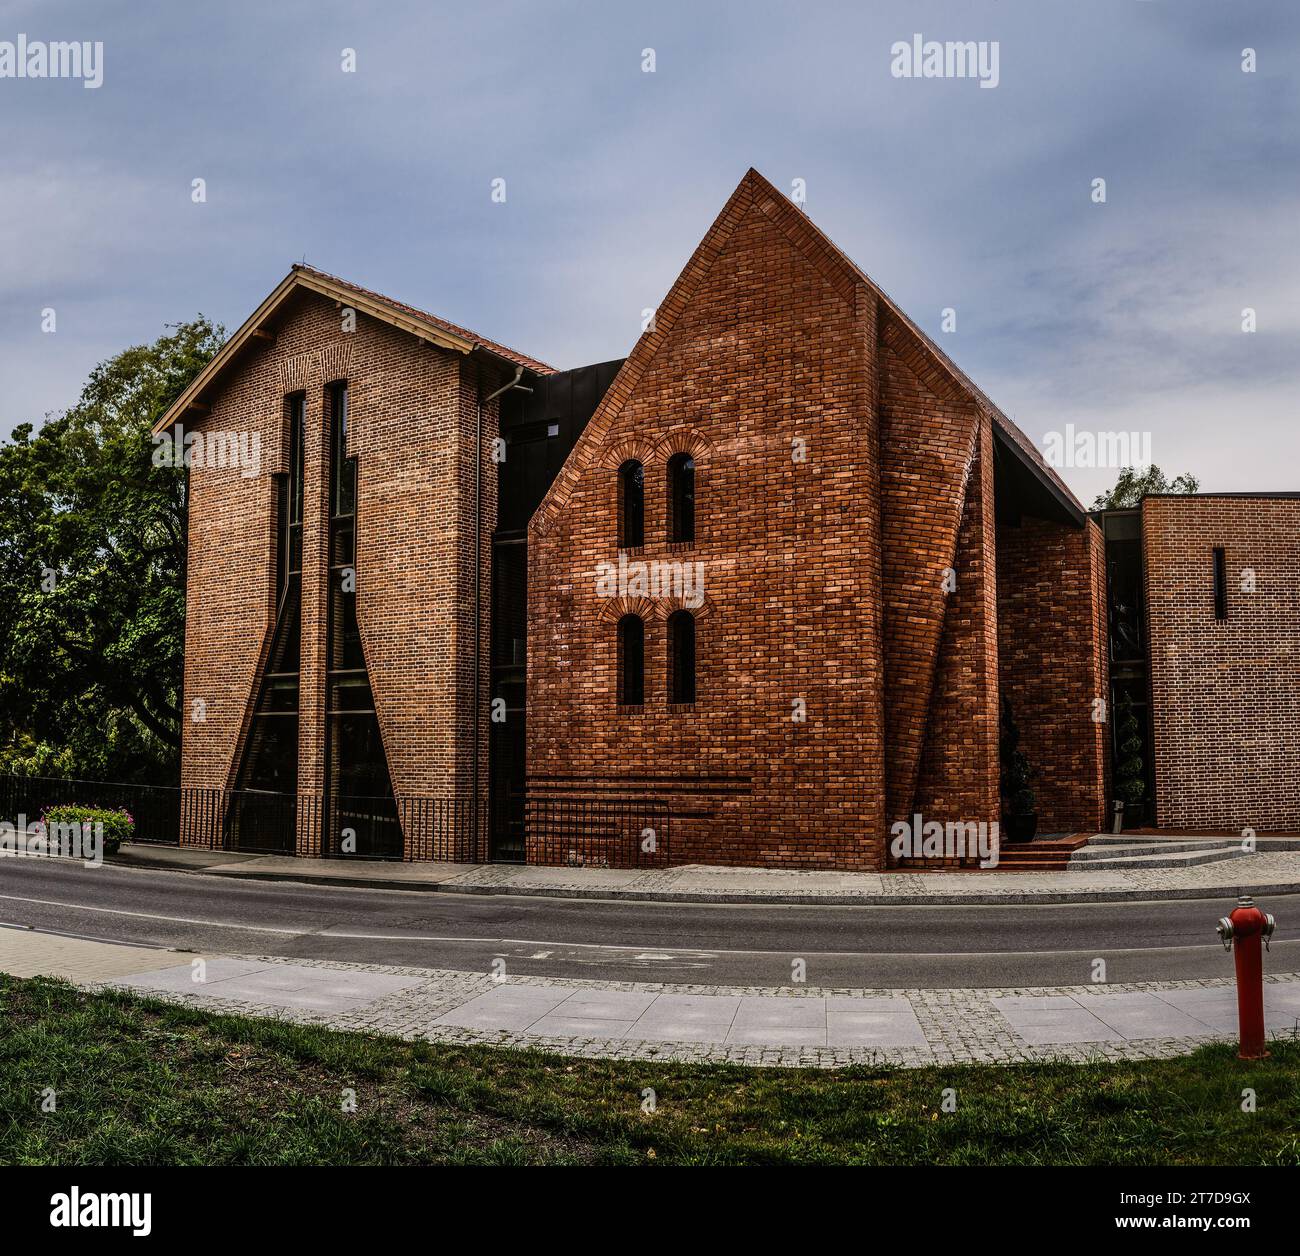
(156, 809)
(542, 829)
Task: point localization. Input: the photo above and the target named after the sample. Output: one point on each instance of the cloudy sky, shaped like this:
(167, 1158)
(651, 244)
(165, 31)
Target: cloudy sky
(1124, 315)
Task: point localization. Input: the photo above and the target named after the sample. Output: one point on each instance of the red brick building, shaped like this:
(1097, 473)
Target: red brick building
(881, 550)
(753, 595)
(1205, 643)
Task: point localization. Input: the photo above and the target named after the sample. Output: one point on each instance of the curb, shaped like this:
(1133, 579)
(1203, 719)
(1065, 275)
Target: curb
(811, 899)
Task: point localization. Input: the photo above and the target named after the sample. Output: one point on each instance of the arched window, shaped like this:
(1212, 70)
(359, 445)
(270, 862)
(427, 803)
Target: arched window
(631, 492)
(681, 657)
(631, 661)
(681, 498)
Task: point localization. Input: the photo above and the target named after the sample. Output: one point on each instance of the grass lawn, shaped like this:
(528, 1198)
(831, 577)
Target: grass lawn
(144, 1082)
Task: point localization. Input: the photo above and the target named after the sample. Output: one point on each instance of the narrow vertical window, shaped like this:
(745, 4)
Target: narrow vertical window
(681, 498)
(361, 811)
(681, 657)
(1220, 584)
(631, 491)
(631, 661)
(261, 811)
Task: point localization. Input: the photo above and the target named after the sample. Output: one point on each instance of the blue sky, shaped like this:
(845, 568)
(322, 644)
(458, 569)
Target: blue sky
(1122, 316)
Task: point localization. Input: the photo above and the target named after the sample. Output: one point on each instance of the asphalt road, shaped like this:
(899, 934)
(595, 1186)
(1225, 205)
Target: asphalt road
(712, 944)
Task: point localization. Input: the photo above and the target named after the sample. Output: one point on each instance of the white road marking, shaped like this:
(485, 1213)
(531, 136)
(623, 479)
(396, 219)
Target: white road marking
(610, 947)
(593, 946)
(144, 915)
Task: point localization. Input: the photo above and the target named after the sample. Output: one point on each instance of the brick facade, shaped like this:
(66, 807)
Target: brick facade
(1225, 699)
(413, 422)
(863, 582)
(1051, 597)
(761, 351)
(885, 558)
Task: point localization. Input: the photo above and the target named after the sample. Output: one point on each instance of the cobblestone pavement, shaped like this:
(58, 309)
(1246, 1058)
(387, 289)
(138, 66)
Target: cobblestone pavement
(1270, 871)
(789, 1026)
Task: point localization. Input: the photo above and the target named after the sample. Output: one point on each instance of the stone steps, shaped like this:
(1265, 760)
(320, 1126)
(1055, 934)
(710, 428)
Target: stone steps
(1140, 855)
(1102, 850)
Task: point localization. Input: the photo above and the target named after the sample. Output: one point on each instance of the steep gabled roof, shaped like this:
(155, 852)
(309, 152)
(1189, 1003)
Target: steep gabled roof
(426, 326)
(842, 273)
(1004, 426)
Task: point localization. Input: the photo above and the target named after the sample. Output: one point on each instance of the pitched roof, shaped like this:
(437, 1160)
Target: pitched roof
(843, 273)
(1001, 421)
(430, 327)
(499, 350)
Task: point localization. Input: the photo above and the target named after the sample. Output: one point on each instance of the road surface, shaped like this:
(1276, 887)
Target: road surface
(915, 946)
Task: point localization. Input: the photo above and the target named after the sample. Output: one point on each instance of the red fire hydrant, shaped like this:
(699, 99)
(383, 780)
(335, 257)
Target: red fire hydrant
(1247, 927)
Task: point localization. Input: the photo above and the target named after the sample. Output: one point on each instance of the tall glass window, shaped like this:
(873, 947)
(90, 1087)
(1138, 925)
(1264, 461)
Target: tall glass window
(631, 490)
(361, 811)
(631, 660)
(262, 812)
(681, 498)
(681, 657)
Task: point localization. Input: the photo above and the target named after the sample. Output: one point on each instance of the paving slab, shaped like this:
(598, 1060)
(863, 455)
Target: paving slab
(776, 1035)
(506, 1007)
(785, 1026)
(874, 1029)
(758, 1012)
(1144, 1014)
(867, 1003)
(184, 978)
(29, 953)
(558, 1025)
(608, 1004)
(276, 985)
(1039, 1029)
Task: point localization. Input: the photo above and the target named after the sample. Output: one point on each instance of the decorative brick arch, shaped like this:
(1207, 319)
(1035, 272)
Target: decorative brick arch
(697, 444)
(612, 609)
(613, 457)
(667, 606)
(652, 610)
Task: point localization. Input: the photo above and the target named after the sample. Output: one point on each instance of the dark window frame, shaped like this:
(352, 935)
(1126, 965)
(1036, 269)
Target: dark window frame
(681, 499)
(631, 661)
(683, 659)
(631, 504)
(1220, 583)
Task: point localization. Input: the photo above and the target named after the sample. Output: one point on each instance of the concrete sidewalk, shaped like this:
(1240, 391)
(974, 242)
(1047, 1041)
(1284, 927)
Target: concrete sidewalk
(1275, 869)
(790, 1026)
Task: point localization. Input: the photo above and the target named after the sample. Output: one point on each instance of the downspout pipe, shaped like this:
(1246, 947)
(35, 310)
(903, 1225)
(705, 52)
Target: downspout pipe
(478, 570)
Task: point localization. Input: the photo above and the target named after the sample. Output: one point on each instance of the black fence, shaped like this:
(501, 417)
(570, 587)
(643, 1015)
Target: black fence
(268, 823)
(156, 809)
(574, 832)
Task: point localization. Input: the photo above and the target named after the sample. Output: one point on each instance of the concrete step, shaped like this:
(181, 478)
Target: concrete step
(1160, 859)
(1113, 850)
(1265, 842)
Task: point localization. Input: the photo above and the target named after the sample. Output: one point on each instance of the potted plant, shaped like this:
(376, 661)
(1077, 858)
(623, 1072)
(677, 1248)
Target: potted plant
(1019, 802)
(1130, 773)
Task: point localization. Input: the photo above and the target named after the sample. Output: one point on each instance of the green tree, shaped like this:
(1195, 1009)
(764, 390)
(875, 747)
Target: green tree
(1134, 484)
(92, 570)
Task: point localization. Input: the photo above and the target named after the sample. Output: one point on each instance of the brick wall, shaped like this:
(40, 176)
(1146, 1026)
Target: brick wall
(958, 771)
(937, 496)
(1052, 664)
(765, 340)
(413, 417)
(843, 471)
(1225, 698)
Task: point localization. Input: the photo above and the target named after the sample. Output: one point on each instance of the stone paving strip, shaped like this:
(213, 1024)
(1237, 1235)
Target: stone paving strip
(791, 1026)
(1270, 871)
